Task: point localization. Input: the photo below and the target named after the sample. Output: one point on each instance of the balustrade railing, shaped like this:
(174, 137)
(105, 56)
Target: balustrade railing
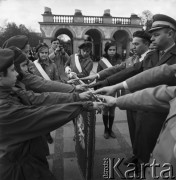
(63, 19)
(93, 20)
(90, 19)
(121, 20)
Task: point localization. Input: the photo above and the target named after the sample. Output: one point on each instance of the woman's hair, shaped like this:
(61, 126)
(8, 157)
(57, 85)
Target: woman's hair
(108, 45)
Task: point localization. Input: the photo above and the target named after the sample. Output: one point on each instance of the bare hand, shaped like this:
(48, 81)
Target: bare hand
(99, 106)
(85, 95)
(82, 87)
(105, 90)
(108, 100)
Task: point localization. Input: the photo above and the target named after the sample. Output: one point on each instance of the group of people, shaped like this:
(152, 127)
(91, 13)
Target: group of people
(40, 96)
(151, 102)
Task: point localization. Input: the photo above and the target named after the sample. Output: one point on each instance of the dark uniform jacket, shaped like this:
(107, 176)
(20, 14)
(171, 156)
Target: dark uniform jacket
(151, 60)
(21, 130)
(145, 138)
(86, 65)
(39, 84)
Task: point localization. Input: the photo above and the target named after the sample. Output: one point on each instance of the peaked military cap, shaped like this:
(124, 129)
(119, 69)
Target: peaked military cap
(19, 41)
(143, 35)
(86, 45)
(161, 21)
(6, 59)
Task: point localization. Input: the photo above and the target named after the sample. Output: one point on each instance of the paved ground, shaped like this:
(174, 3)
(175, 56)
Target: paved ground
(63, 162)
(64, 165)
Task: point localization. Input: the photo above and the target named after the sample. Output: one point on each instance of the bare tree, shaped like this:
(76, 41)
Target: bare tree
(146, 19)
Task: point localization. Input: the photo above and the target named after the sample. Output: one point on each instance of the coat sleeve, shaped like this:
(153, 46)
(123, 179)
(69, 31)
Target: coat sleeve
(47, 98)
(111, 70)
(27, 122)
(163, 74)
(125, 74)
(150, 99)
(38, 84)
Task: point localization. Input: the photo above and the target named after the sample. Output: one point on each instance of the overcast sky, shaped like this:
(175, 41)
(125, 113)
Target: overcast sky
(28, 12)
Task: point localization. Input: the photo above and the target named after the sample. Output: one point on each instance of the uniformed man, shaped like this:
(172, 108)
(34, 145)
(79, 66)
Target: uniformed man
(163, 37)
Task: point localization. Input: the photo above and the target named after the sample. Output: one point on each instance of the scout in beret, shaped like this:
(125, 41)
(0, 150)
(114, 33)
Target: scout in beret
(80, 63)
(6, 59)
(20, 41)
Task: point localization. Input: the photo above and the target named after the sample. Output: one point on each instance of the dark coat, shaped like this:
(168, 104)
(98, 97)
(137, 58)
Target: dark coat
(151, 60)
(21, 129)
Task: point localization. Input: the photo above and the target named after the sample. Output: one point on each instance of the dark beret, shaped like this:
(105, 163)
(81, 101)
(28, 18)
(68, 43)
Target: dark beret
(6, 59)
(86, 45)
(143, 35)
(39, 46)
(161, 21)
(19, 56)
(108, 45)
(19, 41)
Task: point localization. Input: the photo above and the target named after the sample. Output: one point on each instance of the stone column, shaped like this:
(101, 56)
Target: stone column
(76, 43)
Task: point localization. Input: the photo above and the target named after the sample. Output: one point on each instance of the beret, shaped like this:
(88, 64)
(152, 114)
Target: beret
(19, 41)
(161, 21)
(6, 58)
(19, 56)
(86, 45)
(41, 45)
(108, 45)
(143, 35)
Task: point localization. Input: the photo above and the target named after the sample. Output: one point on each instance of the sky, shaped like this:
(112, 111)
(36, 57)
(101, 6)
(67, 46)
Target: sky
(29, 12)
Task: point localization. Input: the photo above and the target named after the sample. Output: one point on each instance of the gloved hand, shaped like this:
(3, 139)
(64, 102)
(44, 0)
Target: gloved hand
(67, 70)
(99, 84)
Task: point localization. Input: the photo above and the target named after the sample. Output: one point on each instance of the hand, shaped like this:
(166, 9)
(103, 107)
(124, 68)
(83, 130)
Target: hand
(85, 95)
(99, 106)
(109, 100)
(106, 90)
(67, 70)
(91, 77)
(72, 81)
(82, 87)
(99, 84)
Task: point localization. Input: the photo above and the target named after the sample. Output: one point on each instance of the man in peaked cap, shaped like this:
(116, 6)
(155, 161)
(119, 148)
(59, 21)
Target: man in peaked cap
(162, 36)
(81, 63)
(161, 21)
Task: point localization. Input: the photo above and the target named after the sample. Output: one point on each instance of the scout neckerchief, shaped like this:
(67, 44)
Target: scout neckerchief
(77, 63)
(104, 63)
(40, 69)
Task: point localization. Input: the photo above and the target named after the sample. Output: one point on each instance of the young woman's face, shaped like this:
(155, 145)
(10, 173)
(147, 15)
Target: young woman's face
(24, 66)
(43, 54)
(10, 79)
(111, 51)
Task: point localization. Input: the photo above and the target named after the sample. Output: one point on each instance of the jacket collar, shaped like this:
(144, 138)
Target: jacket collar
(167, 55)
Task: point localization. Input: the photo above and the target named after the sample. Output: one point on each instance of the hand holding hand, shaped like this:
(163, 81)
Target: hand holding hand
(85, 95)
